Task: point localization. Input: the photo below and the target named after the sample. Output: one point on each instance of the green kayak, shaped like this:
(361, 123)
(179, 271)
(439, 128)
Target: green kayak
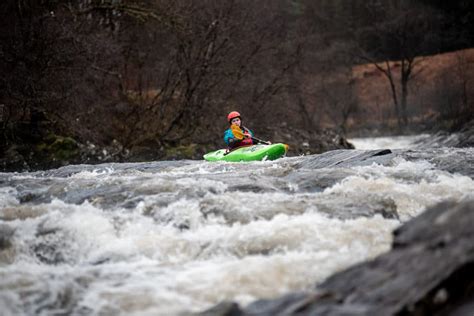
(249, 153)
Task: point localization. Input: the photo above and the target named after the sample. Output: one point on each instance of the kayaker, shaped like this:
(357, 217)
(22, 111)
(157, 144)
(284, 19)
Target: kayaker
(238, 135)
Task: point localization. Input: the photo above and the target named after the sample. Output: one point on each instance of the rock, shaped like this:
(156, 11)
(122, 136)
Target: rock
(223, 309)
(461, 137)
(305, 142)
(429, 271)
(180, 152)
(431, 254)
(11, 159)
(347, 158)
(467, 135)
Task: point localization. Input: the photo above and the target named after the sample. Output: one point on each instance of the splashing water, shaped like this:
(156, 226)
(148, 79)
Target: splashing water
(164, 238)
(392, 142)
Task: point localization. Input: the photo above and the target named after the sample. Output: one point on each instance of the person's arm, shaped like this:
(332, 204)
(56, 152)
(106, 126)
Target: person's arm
(229, 138)
(248, 130)
(256, 140)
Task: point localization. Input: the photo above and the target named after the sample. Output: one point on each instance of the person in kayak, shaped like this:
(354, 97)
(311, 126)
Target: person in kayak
(238, 135)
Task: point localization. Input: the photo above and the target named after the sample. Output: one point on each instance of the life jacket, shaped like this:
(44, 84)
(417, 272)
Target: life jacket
(248, 140)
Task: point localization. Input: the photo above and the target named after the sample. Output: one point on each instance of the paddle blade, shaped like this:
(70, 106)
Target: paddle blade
(237, 131)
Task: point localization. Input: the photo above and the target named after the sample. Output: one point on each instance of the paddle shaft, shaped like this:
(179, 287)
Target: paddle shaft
(238, 130)
(260, 141)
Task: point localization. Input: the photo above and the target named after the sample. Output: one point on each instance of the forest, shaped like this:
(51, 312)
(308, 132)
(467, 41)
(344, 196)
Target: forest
(94, 80)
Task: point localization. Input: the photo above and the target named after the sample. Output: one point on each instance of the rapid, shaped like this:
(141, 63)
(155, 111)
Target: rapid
(177, 237)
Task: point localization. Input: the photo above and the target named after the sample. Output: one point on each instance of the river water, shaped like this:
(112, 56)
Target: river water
(174, 237)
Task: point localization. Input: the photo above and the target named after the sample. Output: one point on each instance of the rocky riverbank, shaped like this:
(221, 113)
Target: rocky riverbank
(429, 271)
(460, 137)
(54, 151)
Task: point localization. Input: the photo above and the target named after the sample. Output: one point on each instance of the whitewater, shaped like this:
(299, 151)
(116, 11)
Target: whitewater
(178, 237)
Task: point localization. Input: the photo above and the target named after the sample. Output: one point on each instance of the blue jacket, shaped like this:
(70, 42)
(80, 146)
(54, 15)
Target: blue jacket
(229, 138)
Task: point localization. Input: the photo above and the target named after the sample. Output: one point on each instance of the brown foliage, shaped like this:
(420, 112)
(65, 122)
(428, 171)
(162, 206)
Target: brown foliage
(442, 89)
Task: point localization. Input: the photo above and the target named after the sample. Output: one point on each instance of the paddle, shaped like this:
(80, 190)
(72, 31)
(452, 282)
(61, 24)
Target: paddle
(260, 141)
(239, 134)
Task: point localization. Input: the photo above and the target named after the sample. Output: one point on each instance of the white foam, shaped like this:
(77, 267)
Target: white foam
(413, 186)
(239, 262)
(7, 197)
(94, 174)
(392, 142)
(193, 240)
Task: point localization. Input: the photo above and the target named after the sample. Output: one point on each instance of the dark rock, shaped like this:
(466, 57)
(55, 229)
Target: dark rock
(12, 159)
(467, 135)
(453, 161)
(388, 209)
(430, 271)
(430, 254)
(223, 309)
(460, 137)
(286, 305)
(347, 158)
(306, 142)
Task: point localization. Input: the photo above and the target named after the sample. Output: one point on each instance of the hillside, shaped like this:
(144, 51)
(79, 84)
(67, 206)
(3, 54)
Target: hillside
(441, 85)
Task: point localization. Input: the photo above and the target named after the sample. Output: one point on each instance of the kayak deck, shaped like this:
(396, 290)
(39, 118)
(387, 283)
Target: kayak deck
(249, 153)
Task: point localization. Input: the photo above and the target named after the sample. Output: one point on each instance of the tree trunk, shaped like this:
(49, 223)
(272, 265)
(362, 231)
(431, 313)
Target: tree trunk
(388, 73)
(405, 70)
(404, 113)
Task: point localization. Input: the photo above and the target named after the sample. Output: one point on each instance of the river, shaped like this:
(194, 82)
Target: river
(174, 237)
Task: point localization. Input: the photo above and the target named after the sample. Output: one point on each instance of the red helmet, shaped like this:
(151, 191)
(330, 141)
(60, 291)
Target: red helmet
(232, 115)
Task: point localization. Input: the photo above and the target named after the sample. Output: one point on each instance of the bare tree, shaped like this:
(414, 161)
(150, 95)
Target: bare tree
(401, 32)
(451, 93)
(214, 53)
(150, 73)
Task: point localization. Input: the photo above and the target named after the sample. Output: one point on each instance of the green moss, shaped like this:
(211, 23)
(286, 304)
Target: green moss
(59, 147)
(183, 151)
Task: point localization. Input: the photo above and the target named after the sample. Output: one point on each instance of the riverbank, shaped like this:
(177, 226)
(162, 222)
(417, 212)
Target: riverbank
(53, 151)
